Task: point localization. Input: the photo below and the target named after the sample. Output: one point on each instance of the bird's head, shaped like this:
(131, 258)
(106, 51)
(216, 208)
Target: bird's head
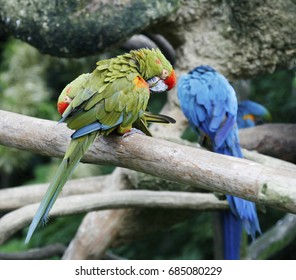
(70, 92)
(155, 69)
(64, 100)
(253, 110)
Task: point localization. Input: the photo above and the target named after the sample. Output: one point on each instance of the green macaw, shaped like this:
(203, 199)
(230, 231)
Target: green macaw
(73, 88)
(113, 97)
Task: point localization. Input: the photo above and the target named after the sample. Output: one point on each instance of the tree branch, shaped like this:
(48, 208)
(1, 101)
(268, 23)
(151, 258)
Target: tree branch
(36, 254)
(12, 198)
(17, 219)
(214, 172)
(269, 161)
(96, 234)
(47, 252)
(275, 239)
(276, 140)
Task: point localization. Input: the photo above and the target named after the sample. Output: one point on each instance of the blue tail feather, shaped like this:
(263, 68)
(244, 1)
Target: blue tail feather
(246, 211)
(232, 235)
(243, 213)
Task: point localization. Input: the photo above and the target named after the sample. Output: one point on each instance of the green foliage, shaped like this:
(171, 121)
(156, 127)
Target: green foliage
(58, 230)
(22, 80)
(12, 158)
(191, 239)
(22, 90)
(190, 135)
(277, 92)
(14, 245)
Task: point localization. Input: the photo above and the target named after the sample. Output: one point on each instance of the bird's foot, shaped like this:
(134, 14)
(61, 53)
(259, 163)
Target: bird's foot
(132, 131)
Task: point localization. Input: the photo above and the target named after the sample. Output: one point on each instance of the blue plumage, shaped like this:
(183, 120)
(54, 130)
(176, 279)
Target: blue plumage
(209, 103)
(95, 126)
(249, 111)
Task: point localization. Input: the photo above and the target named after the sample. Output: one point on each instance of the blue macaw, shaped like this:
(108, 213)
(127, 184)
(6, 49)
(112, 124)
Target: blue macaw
(248, 111)
(209, 103)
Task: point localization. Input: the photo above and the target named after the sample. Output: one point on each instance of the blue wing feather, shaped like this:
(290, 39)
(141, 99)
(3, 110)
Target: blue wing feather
(95, 126)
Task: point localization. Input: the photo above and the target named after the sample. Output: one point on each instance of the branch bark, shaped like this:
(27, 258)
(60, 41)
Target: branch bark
(116, 226)
(214, 172)
(17, 219)
(275, 239)
(36, 254)
(96, 234)
(276, 140)
(13, 198)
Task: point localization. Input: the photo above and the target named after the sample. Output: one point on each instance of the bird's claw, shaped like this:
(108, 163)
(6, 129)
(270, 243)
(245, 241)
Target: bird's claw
(132, 131)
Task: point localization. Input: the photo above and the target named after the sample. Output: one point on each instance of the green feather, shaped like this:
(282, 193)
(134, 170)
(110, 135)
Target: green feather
(76, 150)
(83, 118)
(157, 118)
(112, 101)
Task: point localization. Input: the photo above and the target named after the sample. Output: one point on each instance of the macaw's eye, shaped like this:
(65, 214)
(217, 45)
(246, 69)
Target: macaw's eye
(67, 99)
(164, 74)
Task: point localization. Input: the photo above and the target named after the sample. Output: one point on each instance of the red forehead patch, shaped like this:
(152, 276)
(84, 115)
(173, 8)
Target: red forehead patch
(157, 61)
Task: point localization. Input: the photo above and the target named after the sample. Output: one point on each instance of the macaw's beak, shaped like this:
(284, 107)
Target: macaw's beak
(156, 84)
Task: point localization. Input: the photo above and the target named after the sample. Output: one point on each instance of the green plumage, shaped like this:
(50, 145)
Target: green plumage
(113, 97)
(148, 117)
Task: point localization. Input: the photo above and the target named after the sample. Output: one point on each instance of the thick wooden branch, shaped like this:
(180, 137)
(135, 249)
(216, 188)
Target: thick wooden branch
(240, 177)
(276, 140)
(96, 234)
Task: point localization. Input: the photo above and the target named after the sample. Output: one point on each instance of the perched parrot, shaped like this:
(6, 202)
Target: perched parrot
(141, 123)
(249, 111)
(209, 103)
(111, 98)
